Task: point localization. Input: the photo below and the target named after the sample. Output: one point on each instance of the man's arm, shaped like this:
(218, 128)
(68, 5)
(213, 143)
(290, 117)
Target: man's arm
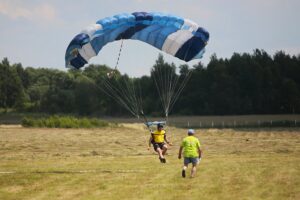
(150, 141)
(199, 152)
(165, 138)
(180, 152)
(199, 149)
(167, 141)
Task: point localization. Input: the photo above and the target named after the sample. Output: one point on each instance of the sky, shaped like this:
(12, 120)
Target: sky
(36, 33)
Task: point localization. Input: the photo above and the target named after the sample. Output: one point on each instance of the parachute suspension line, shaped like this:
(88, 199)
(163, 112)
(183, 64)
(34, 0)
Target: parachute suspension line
(119, 55)
(168, 74)
(140, 100)
(159, 75)
(128, 93)
(112, 73)
(163, 86)
(172, 83)
(147, 125)
(129, 88)
(118, 95)
(169, 85)
(132, 96)
(122, 88)
(184, 82)
(158, 86)
(172, 87)
(163, 81)
(114, 95)
(143, 114)
(180, 88)
(141, 111)
(166, 81)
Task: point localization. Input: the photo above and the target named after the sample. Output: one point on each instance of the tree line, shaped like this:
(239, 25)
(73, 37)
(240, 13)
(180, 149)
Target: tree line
(255, 83)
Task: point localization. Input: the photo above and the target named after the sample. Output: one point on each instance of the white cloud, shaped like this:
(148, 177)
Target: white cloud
(37, 13)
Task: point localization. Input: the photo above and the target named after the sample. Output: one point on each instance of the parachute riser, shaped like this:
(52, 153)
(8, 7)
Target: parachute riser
(146, 121)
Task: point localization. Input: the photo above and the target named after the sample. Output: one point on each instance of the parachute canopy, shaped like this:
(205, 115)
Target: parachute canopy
(174, 35)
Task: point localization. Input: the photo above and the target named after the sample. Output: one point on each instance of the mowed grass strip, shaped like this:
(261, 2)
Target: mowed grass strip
(114, 163)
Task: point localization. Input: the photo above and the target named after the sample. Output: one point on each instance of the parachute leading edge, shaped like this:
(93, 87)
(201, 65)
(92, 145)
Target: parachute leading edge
(174, 35)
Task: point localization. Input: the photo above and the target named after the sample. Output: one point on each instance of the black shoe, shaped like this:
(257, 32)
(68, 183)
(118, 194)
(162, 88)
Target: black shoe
(162, 160)
(183, 173)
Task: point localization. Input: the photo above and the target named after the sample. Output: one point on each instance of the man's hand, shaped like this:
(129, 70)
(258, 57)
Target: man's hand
(199, 160)
(170, 143)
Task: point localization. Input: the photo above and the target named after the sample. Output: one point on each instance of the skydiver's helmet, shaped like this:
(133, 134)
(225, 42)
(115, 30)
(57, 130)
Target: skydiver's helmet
(159, 126)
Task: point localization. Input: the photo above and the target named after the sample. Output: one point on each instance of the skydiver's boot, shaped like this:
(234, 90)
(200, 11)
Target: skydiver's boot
(162, 160)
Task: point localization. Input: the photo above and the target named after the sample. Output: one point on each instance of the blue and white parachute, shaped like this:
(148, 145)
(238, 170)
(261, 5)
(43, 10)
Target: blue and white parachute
(174, 35)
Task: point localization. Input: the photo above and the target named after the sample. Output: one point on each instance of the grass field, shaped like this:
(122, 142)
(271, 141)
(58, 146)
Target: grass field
(114, 163)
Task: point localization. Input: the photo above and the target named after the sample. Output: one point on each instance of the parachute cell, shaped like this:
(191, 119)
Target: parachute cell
(174, 35)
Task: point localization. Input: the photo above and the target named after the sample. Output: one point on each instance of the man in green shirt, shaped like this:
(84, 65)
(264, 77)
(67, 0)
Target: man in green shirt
(191, 151)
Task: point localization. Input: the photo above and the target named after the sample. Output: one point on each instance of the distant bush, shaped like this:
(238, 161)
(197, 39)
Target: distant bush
(63, 122)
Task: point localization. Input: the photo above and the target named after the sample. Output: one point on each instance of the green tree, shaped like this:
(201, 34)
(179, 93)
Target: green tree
(11, 88)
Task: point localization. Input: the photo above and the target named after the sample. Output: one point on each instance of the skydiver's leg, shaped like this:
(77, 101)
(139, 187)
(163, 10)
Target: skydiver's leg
(160, 154)
(165, 148)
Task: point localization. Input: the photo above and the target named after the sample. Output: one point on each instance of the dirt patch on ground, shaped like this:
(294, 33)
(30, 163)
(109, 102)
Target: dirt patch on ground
(136, 126)
(11, 126)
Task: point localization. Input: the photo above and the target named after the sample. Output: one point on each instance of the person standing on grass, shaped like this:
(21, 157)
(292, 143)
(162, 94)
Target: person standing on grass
(159, 141)
(191, 151)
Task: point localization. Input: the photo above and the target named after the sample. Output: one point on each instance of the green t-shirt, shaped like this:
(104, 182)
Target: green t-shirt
(190, 146)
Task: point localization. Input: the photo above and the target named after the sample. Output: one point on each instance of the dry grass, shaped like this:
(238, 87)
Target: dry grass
(114, 163)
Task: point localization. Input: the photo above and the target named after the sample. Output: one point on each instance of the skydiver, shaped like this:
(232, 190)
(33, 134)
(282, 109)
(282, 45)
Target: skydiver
(191, 151)
(159, 141)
